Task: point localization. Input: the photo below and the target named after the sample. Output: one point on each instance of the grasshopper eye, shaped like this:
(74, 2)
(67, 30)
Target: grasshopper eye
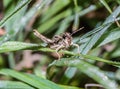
(64, 36)
(56, 36)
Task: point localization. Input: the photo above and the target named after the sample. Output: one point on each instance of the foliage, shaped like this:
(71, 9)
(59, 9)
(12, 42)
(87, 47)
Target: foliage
(96, 62)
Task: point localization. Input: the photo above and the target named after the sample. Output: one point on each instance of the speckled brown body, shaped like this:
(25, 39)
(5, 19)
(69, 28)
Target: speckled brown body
(61, 41)
(58, 41)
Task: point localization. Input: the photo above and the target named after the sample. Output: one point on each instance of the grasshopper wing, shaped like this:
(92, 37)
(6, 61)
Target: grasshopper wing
(43, 38)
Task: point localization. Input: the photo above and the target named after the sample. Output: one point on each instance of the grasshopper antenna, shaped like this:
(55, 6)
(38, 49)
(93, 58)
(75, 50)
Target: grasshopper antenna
(76, 31)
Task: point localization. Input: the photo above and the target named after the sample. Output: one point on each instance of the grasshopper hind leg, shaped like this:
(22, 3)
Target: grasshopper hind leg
(60, 47)
(76, 45)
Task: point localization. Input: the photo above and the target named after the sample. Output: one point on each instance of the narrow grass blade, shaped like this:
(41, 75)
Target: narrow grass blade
(45, 26)
(14, 85)
(95, 37)
(114, 63)
(45, 82)
(88, 45)
(64, 25)
(109, 20)
(106, 5)
(13, 27)
(87, 10)
(32, 80)
(33, 11)
(55, 7)
(90, 70)
(21, 5)
(14, 46)
(110, 36)
(113, 16)
(69, 87)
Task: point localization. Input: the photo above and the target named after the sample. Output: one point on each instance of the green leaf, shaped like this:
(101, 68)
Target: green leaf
(106, 38)
(48, 24)
(69, 73)
(32, 80)
(102, 60)
(97, 29)
(106, 5)
(14, 46)
(69, 87)
(6, 2)
(14, 85)
(116, 53)
(96, 36)
(21, 5)
(87, 10)
(55, 7)
(110, 36)
(90, 70)
(64, 24)
(13, 27)
(45, 82)
(33, 11)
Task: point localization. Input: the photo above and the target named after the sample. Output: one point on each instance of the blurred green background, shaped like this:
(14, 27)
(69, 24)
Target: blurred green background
(26, 62)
